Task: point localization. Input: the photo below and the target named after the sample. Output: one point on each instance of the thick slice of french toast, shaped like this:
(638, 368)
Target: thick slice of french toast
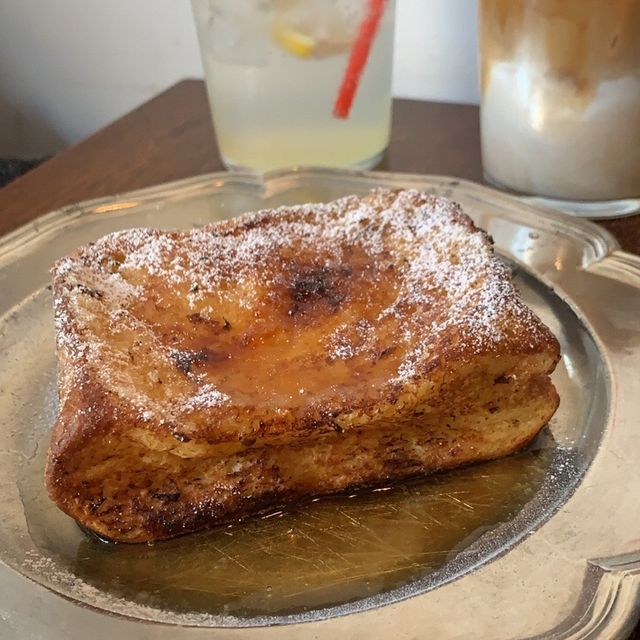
(208, 375)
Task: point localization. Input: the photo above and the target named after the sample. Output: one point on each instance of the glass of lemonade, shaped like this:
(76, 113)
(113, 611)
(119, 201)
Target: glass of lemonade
(560, 111)
(274, 69)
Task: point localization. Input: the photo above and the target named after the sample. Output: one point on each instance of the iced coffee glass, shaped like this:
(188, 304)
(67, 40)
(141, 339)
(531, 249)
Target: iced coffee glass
(560, 110)
(276, 73)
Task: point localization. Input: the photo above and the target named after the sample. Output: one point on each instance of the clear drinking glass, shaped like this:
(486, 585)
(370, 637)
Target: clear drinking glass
(560, 110)
(275, 68)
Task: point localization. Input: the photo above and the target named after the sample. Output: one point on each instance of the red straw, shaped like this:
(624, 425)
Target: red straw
(358, 58)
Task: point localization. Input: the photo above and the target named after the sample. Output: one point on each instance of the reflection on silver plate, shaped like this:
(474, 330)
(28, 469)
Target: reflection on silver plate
(544, 544)
(606, 210)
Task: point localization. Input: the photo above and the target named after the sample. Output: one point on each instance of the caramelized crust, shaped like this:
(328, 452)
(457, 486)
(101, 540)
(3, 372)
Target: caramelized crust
(284, 354)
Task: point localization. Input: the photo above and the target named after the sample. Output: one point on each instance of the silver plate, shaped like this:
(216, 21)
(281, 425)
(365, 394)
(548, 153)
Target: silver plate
(565, 565)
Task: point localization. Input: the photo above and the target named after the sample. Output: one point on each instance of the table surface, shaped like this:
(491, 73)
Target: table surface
(171, 137)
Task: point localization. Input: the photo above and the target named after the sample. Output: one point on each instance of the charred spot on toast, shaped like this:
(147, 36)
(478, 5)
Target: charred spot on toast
(386, 352)
(198, 318)
(92, 292)
(187, 360)
(312, 286)
(219, 323)
(166, 496)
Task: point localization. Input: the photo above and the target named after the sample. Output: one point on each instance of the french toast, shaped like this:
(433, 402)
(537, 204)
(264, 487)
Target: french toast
(206, 376)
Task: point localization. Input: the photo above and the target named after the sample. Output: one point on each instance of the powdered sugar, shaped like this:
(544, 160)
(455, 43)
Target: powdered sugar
(350, 340)
(207, 397)
(446, 276)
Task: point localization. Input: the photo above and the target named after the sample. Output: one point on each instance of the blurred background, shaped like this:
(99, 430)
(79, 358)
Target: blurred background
(69, 67)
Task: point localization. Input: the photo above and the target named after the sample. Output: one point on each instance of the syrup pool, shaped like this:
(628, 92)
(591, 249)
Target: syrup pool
(328, 552)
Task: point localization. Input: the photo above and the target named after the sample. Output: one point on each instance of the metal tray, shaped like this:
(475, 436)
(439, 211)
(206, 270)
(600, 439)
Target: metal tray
(564, 564)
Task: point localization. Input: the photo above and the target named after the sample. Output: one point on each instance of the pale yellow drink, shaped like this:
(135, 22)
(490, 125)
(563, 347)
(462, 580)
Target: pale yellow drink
(273, 71)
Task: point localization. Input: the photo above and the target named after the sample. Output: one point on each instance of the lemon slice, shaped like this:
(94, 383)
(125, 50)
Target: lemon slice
(294, 42)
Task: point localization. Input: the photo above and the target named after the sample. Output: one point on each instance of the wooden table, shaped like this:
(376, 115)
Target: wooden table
(171, 137)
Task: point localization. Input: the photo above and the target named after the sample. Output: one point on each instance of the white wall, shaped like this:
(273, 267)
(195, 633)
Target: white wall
(436, 50)
(68, 67)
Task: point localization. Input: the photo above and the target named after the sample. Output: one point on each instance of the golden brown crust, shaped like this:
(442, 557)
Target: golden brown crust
(280, 331)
